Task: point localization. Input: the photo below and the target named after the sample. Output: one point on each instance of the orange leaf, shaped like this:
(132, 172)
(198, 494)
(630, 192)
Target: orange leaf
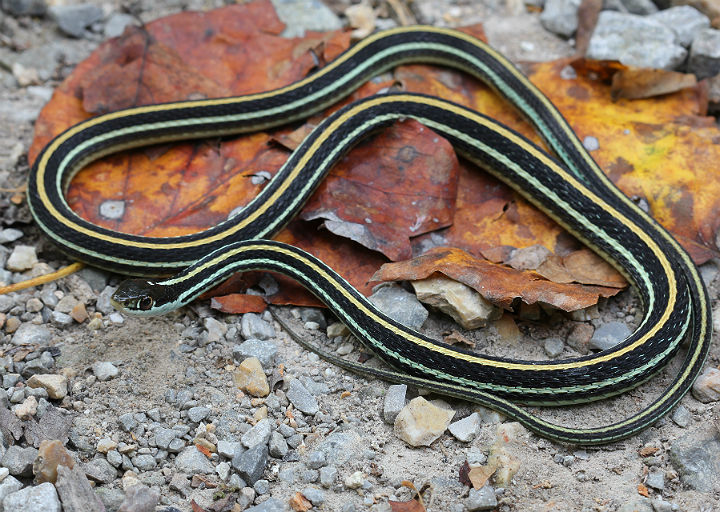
(204, 450)
(406, 506)
(498, 284)
(239, 303)
(642, 490)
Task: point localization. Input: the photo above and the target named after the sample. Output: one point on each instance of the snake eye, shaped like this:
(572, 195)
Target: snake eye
(145, 303)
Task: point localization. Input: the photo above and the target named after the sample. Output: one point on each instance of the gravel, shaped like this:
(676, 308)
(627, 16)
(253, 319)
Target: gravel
(150, 406)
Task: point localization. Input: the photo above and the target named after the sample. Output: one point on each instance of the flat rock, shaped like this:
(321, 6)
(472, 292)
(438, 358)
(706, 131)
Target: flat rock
(696, 458)
(684, 20)
(54, 384)
(301, 398)
(250, 464)
(31, 334)
(19, 461)
(75, 491)
(707, 386)
(457, 300)
(250, 377)
(421, 422)
(39, 497)
(192, 461)
(635, 41)
(400, 305)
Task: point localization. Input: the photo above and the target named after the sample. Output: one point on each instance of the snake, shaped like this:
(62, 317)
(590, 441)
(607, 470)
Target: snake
(569, 186)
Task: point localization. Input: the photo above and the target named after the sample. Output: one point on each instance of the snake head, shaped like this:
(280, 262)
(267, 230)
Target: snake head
(141, 297)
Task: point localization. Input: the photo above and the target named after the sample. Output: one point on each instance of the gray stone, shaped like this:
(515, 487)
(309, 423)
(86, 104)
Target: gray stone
(176, 445)
(252, 326)
(316, 459)
(271, 505)
(328, 475)
(608, 335)
(656, 479)
(635, 41)
(229, 448)
(140, 498)
(301, 398)
(265, 351)
(100, 470)
(73, 20)
(314, 315)
(302, 15)
(316, 496)
(192, 461)
(259, 434)
(640, 6)
(315, 388)
(24, 7)
(61, 319)
(681, 416)
(144, 462)
(696, 457)
(111, 497)
(250, 464)
(114, 458)
(466, 429)
(394, 402)
(400, 305)
(127, 422)
(277, 446)
(684, 20)
(262, 486)
(560, 16)
(198, 414)
(9, 485)
(636, 505)
(338, 446)
(116, 23)
(75, 491)
(705, 54)
(164, 436)
(40, 497)
(19, 461)
(103, 303)
(31, 334)
(105, 370)
(554, 347)
(481, 499)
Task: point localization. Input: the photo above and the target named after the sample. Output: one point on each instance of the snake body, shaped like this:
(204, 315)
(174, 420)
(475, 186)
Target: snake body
(575, 193)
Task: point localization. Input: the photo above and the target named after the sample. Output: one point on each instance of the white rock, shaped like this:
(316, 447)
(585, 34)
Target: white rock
(421, 422)
(22, 258)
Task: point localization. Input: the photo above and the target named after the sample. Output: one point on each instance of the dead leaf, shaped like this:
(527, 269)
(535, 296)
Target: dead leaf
(455, 338)
(195, 507)
(497, 283)
(204, 450)
(406, 506)
(479, 475)
(646, 451)
(239, 303)
(642, 490)
(637, 83)
(584, 267)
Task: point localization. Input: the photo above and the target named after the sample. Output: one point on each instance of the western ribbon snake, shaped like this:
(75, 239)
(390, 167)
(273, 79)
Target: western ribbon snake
(575, 193)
